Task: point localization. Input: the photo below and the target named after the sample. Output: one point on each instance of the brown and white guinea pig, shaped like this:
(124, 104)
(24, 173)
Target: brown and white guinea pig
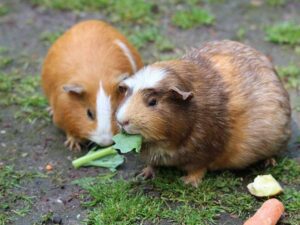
(80, 78)
(219, 107)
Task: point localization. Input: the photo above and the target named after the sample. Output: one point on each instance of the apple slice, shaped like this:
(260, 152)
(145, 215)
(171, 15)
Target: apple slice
(264, 186)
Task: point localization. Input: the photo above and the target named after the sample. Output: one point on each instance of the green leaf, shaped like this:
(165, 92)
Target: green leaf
(126, 143)
(111, 162)
(94, 154)
(108, 157)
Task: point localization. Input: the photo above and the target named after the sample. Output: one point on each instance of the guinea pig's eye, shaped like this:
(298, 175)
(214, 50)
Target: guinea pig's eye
(122, 88)
(90, 114)
(152, 102)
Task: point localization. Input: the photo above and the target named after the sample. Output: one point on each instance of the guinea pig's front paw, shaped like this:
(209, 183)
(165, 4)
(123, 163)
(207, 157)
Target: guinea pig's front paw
(270, 162)
(194, 177)
(73, 144)
(147, 173)
(50, 111)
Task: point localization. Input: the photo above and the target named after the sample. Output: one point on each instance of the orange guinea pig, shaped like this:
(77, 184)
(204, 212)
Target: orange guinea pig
(219, 107)
(80, 78)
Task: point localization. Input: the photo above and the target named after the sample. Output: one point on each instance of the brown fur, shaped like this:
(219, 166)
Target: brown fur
(86, 54)
(188, 122)
(259, 105)
(239, 113)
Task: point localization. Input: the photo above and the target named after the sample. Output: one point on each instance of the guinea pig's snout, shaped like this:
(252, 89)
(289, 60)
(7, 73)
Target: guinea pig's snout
(105, 141)
(123, 123)
(102, 139)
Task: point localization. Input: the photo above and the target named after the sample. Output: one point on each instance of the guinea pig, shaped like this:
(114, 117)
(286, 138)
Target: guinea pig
(80, 78)
(221, 106)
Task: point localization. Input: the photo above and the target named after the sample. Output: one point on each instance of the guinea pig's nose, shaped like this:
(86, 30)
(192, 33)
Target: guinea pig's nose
(123, 123)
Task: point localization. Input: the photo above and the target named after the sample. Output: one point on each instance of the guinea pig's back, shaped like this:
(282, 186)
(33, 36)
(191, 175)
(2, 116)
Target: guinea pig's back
(258, 104)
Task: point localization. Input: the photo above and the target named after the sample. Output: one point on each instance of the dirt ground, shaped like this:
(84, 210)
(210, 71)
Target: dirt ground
(31, 146)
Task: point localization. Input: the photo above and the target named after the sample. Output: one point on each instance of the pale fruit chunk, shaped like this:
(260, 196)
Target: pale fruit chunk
(264, 186)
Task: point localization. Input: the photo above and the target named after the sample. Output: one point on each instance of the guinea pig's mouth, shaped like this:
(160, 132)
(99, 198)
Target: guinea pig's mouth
(129, 129)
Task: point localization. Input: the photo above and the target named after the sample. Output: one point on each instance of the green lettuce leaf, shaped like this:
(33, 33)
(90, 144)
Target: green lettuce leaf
(127, 142)
(111, 162)
(108, 157)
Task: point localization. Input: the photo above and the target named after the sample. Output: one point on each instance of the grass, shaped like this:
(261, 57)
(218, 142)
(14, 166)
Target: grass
(123, 206)
(240, 34)
(73, 4)
(213, 1)
(284, 33)
(3, 50)
(291, 198)
(151, 43)
(14, 203)
(140, 38)
(189, 18)
(290, 75)
(139, 11)
(46, 218)
(3, 11)
(50, 37)
(25, 93)
(276, 2)
(167, 199)
(5, 62)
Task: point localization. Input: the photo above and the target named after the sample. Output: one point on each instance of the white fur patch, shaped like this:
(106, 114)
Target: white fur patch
(127, 53)
(121, 113)
(103, 134)
(148, 77)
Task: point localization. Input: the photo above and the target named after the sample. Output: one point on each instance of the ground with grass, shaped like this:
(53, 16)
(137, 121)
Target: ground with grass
(163, 29)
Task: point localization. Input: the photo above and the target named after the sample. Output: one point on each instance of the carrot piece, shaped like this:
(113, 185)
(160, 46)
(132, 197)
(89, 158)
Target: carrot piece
(268, 214)
(49, 167)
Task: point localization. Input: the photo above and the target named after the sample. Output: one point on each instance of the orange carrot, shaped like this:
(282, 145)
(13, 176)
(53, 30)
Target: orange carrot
(268, 214)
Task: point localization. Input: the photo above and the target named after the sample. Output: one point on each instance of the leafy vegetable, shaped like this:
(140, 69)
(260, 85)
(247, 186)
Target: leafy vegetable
(126, 143)
(91, 156)
(109, 157)
(111, 161)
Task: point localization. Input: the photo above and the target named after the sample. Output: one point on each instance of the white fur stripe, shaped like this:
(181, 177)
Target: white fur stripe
(127, 53)
(121, 113)
(103, 134)
(148, 77)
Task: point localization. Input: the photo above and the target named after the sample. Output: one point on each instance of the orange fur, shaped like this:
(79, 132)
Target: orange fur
(85, 54)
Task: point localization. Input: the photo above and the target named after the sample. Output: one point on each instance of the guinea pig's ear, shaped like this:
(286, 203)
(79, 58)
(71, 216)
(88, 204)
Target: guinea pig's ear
(182, 95)
(74, 88)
